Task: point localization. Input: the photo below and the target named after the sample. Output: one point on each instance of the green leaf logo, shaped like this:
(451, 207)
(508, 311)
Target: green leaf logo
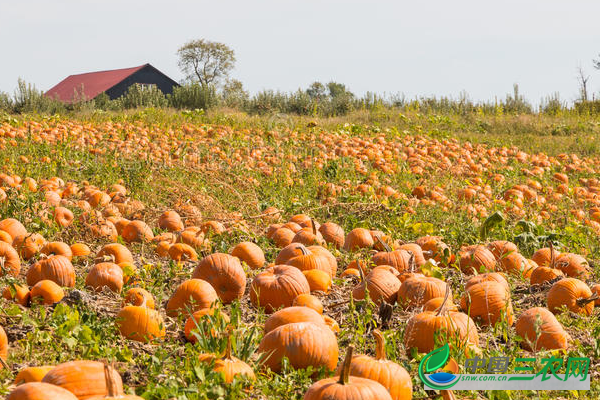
(437, 358)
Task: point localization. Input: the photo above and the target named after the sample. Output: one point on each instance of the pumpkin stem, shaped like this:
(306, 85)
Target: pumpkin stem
(443, 305)
(380, 345)
(411, 262)
(361, 273)
(384, 244)
(227, 355)
(551, 253)
(345, 372)
(314, 227)
(303, 249)
(582, 302)
(111, 385)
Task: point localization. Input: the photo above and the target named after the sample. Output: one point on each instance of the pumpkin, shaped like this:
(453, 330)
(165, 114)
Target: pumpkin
(400, 259)
(40, 391)
(114, 252)
(389, 374)
(139, 297)
(421, 329)
(501, 248)
(542, 275)
(19, 293)
(212, 227)
(13, 227)
(545, 257)
(32, 374)
(104, 230)
(488, 301)
(162, 249)
(347, 387)
(308, 300)
(277, 287)
(291, 225)
(48, 291)
(416, 251)
(573, 265)
(333, 234)
(9, 260)
(283, 236)
(5, 237)
(140, 323)
(303, 343)
(28, 245)
(182, 252)
(3, 345)
(290, 315)
(515, 264)
(80, 250)
(193, 236)
(190, 296)
(106, 274)
(572, 293)
(381, 284)
(85, 379)
(596, 290)
(57, 248)
(332, 324)
(309, 260)
(309, 235)
(318, 280)
(137, 231)
(435, 303)
(540, 330)
(190, 328)
(488, 277)
(63, 216)
(229, 366)
(224, 273)
(358, 238)
(249, 253)
(113, 388)
(170, 221)
(476, 258)
(437, 249)
(416, 291)
(56, 268)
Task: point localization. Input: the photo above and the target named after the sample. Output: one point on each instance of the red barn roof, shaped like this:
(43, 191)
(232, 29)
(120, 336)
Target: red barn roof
(93, 83)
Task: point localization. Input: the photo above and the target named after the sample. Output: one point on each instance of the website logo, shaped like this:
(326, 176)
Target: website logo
(432, 362)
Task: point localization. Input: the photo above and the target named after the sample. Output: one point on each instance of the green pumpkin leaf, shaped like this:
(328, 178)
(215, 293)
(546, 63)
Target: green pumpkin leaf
(437, 358)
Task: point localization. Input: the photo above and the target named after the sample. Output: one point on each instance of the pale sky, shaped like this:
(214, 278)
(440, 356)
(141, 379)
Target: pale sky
(417, 47)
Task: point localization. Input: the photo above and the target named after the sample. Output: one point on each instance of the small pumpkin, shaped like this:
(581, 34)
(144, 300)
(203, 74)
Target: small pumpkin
(389, 374)
(381, 284)
(358, 238)
(32, 374)
(544, 274)
(9, 260)
(573, 265)
(3, 346)
(182, 252)
(476, 258)
(191, 295)
(310, 301)
(29, 245)
(13, 227)
(139, 297)
(140, 323)
(333, 234)
(416, 291)
(18, 293)
(105, 275)
(114, 252)
(80, 250)
(229, 366)
(137, 231)
(170, 221)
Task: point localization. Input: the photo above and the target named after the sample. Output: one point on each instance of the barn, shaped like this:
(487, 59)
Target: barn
(114, 83)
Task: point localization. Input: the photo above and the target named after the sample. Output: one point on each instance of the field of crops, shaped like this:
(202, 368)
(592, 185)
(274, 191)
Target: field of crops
(186, 256)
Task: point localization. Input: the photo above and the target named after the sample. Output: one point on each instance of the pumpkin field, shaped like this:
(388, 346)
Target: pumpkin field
(181, 255)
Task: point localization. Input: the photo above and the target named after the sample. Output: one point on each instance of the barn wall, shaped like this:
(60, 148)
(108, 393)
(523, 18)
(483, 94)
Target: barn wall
(149, 75)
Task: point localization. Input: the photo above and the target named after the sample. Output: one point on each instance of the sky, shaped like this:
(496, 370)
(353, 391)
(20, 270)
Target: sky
(417, 47)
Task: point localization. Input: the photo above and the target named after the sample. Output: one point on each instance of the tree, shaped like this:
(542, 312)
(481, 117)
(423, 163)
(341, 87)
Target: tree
(583, 80)
(338, 90)
(597, 63)
(316, 91)
(234, 94)
(205, 61)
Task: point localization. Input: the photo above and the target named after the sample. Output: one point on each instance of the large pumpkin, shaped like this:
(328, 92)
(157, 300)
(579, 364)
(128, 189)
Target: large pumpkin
(114, 252)
(277, 287)
(358, 238)
(224, 273)
(400, 259)
(333, 234)
(105, 275)
(13, 227)
(476, 258)
(540, 330)
(249, 253)
(572, 293)
(57, 269)
(488, 301)
(573, 265)
(418, 290)
(9, 259)
(346, 386)
(40, 391)
(85, 379)
(303, 343)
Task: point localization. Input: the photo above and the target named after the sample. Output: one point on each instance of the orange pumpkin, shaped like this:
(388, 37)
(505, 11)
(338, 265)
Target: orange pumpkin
(85, 379)
(249, 253)
(40, 391)
(190, 296)
(277, 287)
(540, 330)
(224, 273)
(572, 293)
